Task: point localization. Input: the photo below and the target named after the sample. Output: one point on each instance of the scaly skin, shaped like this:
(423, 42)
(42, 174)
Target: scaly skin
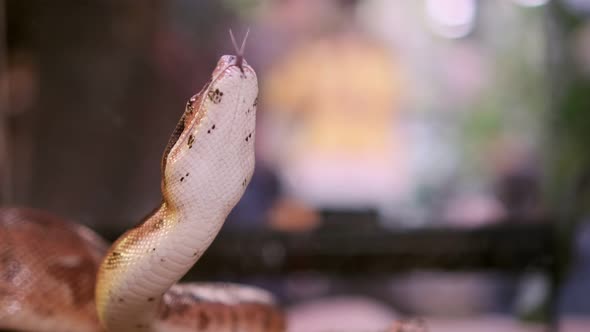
(205, 169)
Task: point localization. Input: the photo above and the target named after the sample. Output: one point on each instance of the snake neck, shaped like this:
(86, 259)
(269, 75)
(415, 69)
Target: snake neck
(147, 260)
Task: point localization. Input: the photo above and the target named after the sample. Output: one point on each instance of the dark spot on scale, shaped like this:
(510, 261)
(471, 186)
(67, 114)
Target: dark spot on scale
(213, 127)
(158, 224)
(182, 179)
(112, 260)
(187, 174)
(215, 96)
(141, 326)
(209, 131)
(204, 320)
(162, 260)
(153, 249)
(255, 102)
(191, 140)
(195, 253)
(150, 299)
(121, 300)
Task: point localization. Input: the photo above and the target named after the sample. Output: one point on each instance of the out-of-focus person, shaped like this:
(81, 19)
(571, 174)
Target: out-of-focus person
(332, 105)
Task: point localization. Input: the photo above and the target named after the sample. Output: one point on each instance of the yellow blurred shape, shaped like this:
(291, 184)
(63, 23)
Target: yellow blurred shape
(343, 90)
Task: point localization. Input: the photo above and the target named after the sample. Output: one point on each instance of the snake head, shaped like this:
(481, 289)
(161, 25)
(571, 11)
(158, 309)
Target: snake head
(214, 139)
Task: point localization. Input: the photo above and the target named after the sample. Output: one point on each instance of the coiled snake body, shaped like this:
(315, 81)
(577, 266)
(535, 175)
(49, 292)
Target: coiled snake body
(49, 268)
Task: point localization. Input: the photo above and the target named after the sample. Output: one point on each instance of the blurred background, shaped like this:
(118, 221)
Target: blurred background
(415, 159)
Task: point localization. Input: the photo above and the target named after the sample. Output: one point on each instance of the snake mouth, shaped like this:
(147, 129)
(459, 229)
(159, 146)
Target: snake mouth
(240, 62)
(227, 62)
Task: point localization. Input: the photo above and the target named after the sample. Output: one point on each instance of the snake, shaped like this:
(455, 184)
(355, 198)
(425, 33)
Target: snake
(59, 276)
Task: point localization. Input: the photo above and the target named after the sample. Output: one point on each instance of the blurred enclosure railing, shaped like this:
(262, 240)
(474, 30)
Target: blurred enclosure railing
(363, 250)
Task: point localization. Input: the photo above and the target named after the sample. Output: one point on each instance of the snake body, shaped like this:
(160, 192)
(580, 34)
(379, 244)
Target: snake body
(49, 268)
